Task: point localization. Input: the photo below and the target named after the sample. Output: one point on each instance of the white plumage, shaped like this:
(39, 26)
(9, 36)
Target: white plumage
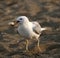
(29, 30)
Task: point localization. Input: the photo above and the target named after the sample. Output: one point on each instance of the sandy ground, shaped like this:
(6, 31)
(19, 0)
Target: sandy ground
(46, 12)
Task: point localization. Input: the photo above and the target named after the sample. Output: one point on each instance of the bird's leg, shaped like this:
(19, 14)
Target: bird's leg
(27, 45)
(38, 45)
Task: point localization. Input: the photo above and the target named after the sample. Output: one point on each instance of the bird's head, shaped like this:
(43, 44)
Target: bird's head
(22, 19)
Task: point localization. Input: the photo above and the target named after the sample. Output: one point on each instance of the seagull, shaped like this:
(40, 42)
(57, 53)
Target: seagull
(28, 29)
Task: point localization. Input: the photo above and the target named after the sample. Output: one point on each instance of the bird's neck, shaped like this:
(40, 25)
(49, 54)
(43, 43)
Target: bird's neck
(25, 23)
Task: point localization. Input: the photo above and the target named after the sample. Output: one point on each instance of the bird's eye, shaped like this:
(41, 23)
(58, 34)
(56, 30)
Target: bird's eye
(20, 18)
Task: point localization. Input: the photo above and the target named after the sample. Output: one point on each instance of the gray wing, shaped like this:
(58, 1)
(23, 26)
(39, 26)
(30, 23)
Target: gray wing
(36, 27)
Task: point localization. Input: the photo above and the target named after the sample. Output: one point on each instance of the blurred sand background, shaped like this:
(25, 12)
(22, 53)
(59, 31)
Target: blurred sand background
(46, 12)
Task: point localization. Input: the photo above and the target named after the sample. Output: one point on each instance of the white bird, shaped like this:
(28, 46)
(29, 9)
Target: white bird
(29, 30)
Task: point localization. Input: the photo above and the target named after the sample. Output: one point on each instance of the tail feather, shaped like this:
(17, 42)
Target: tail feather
(46, 28)
(42, 29)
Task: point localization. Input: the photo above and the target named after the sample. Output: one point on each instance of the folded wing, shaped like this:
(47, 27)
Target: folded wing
(36, 27)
